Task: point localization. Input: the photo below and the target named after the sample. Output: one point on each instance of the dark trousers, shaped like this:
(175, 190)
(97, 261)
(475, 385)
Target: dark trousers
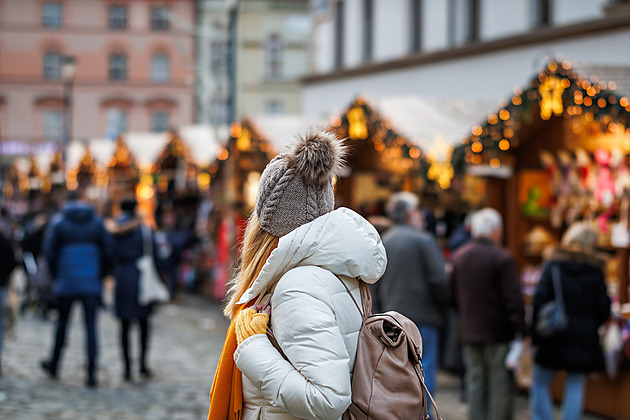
(125, 326)
(90, 307)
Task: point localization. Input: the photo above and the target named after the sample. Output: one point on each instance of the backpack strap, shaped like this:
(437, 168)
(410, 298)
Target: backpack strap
(366, 297)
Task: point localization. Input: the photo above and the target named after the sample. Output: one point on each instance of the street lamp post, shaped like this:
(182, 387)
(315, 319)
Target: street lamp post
(68, 69)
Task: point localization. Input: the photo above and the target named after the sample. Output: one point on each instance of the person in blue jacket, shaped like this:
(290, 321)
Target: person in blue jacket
(129, 246)
(78, 249)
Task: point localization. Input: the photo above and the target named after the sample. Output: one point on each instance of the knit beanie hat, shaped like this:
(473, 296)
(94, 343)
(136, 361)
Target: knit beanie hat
(296, 187)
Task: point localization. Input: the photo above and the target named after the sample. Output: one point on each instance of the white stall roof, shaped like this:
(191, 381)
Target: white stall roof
(422, 120)
(281, 130)
(204, 142)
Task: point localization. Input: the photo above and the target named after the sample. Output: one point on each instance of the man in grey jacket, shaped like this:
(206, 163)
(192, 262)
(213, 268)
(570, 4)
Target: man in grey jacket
(414, 282)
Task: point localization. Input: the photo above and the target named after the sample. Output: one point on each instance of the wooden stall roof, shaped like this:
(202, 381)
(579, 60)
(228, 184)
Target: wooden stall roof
(122, 158)
(558, 90)
(174, 151)
(248, 145)
(361, 122)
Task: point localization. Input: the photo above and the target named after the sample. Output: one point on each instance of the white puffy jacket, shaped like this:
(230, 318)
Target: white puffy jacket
(314, 319)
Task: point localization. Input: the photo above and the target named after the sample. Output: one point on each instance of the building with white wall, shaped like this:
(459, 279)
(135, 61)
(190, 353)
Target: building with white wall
(478, 49)
(272, 55)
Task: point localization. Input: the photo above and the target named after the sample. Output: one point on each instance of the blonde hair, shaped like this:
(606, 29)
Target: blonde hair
(579, 235)
(257, 246)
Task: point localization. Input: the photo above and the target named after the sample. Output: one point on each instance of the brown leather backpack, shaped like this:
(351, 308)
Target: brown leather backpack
(388, 380)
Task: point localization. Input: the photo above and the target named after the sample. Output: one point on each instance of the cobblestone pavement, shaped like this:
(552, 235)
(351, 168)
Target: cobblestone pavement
(185, 346)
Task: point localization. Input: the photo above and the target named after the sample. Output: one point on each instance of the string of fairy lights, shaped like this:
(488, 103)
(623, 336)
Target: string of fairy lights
(360, 121)
(557, 91)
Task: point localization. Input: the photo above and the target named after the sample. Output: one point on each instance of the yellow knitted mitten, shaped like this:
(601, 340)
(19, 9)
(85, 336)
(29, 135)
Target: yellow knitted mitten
(250, 322)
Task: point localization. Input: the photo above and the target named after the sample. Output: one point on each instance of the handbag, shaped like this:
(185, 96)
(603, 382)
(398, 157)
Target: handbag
(552, 319)
(152, 290)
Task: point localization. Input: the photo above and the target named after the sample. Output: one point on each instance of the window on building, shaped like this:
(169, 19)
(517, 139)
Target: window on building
(320, 6)
(52, 15)
(464, 21)
(117, 67)
(368, 29)
(52, 66)
(116, 123)
(273, 56)
(53, 124)
(159, 18)
(474, 9)
(117, 16)
(160, 68)
(159, 121)
(415, 14)
(542, 13)
(274, 107)
(339, 33)
(219, 55)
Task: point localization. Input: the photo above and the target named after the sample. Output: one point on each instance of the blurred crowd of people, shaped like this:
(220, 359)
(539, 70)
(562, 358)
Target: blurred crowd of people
(70, 253)
(465, 296)
(468, 304)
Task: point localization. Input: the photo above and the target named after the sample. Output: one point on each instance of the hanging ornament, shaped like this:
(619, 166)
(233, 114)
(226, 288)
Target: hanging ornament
(357, 125)
(551, 97)
(244, 141)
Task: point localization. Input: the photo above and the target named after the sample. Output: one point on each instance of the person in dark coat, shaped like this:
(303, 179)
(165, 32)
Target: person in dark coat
(78, 251)
(414, 282)
(587, 305)
(485, 289)
(7, 264)
(129, 247)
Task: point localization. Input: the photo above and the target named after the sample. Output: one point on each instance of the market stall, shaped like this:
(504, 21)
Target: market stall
(234, 184)
(175, 175)
(123, 175)
(557, 152)
(381, 160)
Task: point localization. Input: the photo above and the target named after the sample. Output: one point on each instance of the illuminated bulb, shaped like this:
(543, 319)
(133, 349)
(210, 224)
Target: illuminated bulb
(623, 101)
(477, 147)
(601, 102)
(504, 145)
(504, 114)
(493, 119)
(565, 83)
(476, 130)
(612, 85)
(495, 163)
(235, 130)
(224, 154)
(588, 101)
(517, 100)
(414, 153)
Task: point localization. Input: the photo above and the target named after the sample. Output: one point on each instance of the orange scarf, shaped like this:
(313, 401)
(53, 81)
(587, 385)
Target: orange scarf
(226, 395)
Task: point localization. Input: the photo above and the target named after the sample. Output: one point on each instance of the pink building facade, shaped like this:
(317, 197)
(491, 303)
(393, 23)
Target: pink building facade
(134, 69)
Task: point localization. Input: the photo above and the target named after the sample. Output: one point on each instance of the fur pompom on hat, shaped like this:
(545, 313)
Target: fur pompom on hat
(296, 188)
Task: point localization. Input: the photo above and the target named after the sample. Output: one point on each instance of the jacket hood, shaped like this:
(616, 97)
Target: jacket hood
(341, 241)
(78, 212)
(578, 256)
(125, 224)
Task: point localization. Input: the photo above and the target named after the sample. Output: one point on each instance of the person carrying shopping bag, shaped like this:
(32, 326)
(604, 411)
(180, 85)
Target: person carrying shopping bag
(298, 257)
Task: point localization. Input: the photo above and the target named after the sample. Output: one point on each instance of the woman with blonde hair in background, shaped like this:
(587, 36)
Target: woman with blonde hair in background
(579, 277)
(298, 257)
